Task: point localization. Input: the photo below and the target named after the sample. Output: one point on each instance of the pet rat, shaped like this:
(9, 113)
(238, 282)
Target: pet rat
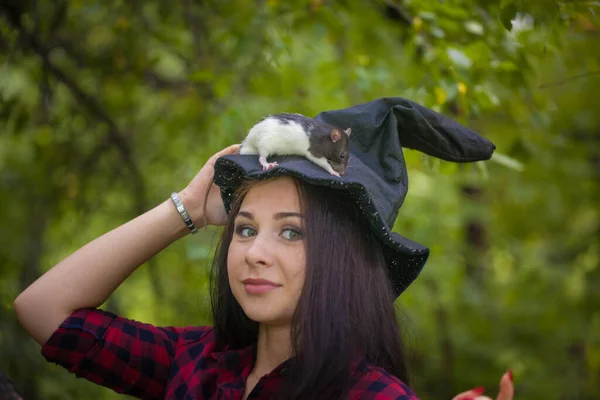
(294, 134)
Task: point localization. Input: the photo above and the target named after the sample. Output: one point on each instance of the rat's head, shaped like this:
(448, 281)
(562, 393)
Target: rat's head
(334, 146)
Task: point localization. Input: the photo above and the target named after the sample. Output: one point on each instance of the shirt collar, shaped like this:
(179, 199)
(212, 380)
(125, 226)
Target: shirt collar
(241, 361)
(238, 360)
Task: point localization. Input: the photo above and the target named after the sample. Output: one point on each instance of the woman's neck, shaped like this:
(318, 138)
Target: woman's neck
(273, 348)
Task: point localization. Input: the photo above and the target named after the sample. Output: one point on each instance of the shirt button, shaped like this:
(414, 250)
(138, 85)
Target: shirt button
(284, 371)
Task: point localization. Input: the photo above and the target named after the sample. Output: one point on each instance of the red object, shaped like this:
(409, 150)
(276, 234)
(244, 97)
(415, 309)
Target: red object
(150, 362)
(510, 376)
(478, 390)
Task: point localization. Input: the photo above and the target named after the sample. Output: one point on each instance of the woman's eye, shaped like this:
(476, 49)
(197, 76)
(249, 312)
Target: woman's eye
(245, 231)
(292, 234)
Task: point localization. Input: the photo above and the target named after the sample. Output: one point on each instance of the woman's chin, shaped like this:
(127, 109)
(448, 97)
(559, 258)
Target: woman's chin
(272, 307)
(264, 313)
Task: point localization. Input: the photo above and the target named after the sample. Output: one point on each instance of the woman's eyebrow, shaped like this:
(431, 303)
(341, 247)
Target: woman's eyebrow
(246, 214)
(281, 215)
(277, 216)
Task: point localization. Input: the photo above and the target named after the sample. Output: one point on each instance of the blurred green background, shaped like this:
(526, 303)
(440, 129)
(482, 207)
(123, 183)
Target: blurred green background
(108, 107)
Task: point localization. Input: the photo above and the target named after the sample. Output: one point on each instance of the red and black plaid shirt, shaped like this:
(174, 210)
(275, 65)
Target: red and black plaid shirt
(151, 362)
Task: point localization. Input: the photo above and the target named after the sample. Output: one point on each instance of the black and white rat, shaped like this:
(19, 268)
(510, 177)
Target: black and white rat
(295, 134)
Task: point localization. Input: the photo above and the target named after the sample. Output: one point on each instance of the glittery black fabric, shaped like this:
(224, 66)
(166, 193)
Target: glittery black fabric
(376, 174)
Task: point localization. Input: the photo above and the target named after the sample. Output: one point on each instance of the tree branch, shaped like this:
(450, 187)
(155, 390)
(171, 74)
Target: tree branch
(88, 101)
(153, 79)
(158, 82)
(189, 17)
(69, 49)
(446, 347)
(567, 80)
(394, 12)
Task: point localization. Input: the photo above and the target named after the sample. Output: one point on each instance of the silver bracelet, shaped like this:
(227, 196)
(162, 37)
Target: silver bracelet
(181, 209)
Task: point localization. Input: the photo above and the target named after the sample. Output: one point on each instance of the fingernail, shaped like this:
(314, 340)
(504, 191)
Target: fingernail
(478, 390)
(510, 376)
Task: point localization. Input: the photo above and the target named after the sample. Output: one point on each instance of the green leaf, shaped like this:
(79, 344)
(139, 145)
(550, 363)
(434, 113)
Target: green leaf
(507, 161)
(474, 27)
(459, 58)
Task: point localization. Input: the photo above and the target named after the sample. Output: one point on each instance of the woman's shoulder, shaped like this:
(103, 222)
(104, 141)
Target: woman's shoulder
(376, 383)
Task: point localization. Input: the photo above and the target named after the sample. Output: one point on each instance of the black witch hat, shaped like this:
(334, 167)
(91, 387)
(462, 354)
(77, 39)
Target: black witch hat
(376, 174)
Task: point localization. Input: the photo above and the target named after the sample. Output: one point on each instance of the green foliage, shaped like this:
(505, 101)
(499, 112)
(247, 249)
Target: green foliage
(107, 107)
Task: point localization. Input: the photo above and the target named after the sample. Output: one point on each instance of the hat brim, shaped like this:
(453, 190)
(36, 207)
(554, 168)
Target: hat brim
(405, 257)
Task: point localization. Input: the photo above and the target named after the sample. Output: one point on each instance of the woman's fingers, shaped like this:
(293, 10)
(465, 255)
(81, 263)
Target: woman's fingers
(470, 394)
(196, 194)
(226, 151)
(507, 389)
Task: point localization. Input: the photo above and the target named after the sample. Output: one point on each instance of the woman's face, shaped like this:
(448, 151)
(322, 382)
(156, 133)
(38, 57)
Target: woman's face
(266, 260)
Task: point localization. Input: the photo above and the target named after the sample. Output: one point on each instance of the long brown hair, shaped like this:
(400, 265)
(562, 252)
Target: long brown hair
(346, 310)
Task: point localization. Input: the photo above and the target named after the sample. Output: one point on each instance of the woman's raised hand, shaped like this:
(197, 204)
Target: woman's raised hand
(194, 194)
(507, 390)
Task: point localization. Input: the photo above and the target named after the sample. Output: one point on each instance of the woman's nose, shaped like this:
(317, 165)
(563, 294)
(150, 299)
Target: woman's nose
(260, 252)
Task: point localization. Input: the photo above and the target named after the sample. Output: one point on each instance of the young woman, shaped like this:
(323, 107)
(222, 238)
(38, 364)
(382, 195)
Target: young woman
(302, 299)
(294, 273)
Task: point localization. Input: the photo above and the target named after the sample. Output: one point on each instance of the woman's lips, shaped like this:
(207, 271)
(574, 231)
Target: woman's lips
(259, 286)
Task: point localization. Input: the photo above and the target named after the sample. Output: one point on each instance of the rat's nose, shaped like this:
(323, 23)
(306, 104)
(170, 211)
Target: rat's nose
(340, 169)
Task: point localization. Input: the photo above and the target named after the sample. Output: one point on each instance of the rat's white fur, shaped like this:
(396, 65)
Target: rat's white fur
(272, 137)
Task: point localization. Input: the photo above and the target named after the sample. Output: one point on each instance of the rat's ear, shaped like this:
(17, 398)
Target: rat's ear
(335, 135)
(348, 131)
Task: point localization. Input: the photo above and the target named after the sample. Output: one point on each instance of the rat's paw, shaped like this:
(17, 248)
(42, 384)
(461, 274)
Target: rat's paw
(335, 174)
(269, 165)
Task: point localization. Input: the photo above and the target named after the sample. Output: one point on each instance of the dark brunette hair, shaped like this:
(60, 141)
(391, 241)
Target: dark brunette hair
(346, 310)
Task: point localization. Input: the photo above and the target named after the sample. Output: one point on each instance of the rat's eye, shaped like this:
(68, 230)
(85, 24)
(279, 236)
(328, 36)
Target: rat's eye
(342, 155)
